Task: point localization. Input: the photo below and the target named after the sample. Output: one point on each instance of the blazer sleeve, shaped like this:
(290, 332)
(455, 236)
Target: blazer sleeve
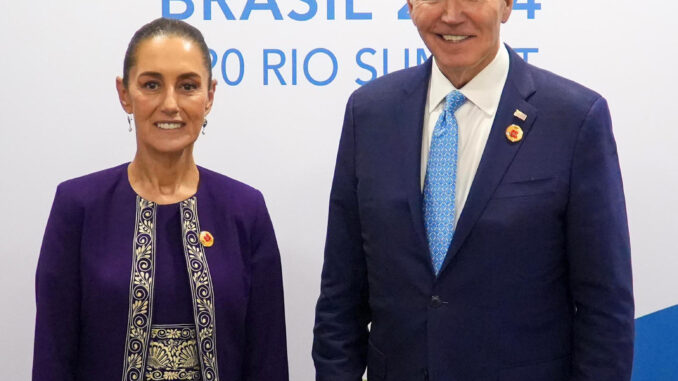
(266, 352)
(599, 255)
(342, 311)
(58, 293)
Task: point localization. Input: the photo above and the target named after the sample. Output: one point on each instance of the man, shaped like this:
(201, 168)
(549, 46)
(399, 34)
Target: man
(477, 220)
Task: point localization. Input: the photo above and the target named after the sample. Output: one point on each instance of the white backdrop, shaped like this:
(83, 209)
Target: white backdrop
(60, 118)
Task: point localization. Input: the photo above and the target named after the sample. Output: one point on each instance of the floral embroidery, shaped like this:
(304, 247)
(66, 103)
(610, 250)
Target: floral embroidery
(141, 291)
(202, 289)
(166, 358)
(173, 353)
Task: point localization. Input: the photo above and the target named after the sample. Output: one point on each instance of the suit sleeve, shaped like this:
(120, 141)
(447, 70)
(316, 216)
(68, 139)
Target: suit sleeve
(266, 356)
(58, 293)
(342, 311)
(599, 255)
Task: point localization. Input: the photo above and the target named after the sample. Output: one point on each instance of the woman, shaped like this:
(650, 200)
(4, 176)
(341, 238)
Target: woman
(160, 269)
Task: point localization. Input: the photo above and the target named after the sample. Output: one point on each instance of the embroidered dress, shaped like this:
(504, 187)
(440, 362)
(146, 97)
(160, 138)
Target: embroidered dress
(172, 352)
(126, 291)
(150, 218)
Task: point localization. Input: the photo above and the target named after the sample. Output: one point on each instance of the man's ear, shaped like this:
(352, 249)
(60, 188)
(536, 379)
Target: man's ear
(123, 95)
(507, 11)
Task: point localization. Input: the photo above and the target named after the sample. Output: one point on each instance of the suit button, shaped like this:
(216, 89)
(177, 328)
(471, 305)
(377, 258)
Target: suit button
(436, 301)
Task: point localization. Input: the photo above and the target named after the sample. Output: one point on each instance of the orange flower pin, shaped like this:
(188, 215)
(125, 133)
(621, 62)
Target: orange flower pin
(206, 238)
(514, 133)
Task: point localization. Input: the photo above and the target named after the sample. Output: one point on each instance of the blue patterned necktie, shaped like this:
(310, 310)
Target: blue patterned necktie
(440, 182)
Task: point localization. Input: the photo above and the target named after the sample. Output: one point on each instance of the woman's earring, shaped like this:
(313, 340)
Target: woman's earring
(129, 121)
(204, 124)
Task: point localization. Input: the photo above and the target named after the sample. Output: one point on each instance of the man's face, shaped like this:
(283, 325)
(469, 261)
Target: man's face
(463, 35)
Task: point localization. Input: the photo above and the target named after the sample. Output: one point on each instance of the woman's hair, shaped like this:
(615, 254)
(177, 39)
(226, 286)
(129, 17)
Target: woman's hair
(165, 27)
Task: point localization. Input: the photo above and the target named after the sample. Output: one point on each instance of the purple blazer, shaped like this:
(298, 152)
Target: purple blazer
(96, 280)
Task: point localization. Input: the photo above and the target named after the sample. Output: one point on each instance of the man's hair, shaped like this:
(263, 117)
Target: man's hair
(165, 27)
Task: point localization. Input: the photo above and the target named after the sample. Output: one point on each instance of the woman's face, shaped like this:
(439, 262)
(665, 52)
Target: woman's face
(168, 93)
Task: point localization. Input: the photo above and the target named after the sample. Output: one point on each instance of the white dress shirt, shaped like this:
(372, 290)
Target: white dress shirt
(474, 119)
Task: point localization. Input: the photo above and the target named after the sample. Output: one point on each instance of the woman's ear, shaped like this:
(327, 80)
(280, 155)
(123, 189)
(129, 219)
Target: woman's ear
(123, 95)
(210, 96)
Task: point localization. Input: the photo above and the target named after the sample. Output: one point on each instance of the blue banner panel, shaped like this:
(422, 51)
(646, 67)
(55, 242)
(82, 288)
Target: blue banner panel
(656, 349)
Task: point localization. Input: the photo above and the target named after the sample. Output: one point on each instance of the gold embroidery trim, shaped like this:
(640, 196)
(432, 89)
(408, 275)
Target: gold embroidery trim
(173, 353)
(141, 291)
(201, 288)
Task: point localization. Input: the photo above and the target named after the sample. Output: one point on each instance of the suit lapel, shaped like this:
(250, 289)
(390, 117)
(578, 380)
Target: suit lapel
(411, 110)
(499, 151)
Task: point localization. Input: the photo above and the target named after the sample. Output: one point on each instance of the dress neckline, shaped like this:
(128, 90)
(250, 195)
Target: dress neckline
(128, 184)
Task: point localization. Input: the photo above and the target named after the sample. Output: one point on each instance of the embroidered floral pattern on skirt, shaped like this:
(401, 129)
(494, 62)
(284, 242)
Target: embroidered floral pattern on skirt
(173, 353)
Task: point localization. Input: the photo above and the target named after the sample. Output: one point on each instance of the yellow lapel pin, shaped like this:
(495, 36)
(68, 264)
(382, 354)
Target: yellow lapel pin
(206, 238)
(514, 133)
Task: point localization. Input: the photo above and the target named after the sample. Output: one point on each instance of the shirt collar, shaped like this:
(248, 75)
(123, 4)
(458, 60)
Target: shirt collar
(484, 90)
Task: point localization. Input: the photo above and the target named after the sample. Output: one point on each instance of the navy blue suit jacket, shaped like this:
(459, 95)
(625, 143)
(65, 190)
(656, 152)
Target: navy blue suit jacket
(536, 285)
